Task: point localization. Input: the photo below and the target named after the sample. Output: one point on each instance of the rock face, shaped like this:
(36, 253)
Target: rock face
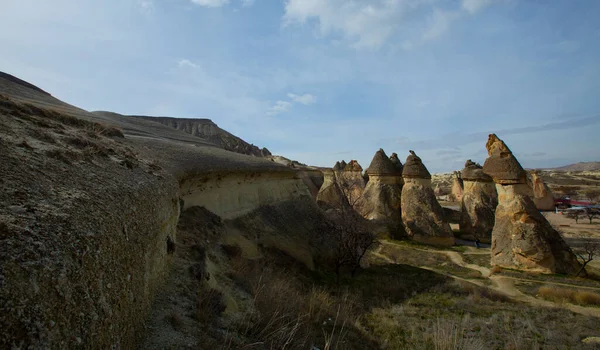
(522, 238)
(542, 195)
(478, 205)
(457, 187)
(351, 181)
(330, 193)
(380, 201)
(208, 130)
(422, 215)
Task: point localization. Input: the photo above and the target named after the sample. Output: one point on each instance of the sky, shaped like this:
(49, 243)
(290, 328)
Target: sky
(323, 80)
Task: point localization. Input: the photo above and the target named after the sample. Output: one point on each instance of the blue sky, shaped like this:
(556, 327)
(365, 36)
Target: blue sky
(322, 80)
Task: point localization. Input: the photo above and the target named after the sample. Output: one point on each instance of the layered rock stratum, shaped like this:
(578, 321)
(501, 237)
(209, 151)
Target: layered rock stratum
(542, 195)
(522, 238)
(91, 202)
(380, 200)
(457, 187)
(478, 205)
(422, 215)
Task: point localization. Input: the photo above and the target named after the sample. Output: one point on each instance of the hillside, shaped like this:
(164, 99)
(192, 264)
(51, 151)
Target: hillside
(207, 130)
(581, 166)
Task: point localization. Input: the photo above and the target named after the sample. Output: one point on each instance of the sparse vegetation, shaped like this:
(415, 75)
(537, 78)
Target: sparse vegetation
(560, 295)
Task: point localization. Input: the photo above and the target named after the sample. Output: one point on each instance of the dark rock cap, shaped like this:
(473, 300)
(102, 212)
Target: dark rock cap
(501, 164)
(382, 165)
(397, 163)
(414, 167)
(343, 165)
(353, 166)
(337, 166)
(474, 172)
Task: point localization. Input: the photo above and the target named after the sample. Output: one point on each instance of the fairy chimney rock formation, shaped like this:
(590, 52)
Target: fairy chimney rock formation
(522, 238)
(457, 187)
(351, 181)
(396, 161)
(478, 205)
(330, 195)
(422, 215)
(542, 195)
(381, 198)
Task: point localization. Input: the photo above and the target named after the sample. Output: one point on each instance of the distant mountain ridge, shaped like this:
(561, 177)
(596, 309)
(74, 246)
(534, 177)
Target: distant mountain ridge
(208, 130)
(581, 166)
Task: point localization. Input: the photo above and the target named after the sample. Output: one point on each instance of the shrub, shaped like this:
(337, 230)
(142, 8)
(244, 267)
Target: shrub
(562, 295)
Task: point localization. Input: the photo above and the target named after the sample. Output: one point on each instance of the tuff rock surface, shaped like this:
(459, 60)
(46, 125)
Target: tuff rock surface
(457, 187)
(542, 195)
(422, 215)
(380, 201)
(522, 238)
(478, 204)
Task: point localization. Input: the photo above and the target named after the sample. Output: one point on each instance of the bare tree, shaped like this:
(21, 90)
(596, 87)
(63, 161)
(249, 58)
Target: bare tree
(591, 213)
(575, 215)
(588, 250)
(352, 186)
(349, 238)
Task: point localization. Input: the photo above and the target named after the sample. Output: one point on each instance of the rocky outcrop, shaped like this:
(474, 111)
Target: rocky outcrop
(87, 232)
(457, 187)
(478, 205)
(397, 163)
(208, 130)
(522, 238)
(381, 198)
(542, 195)
(351, 181)
(330, 194)
(422, 215)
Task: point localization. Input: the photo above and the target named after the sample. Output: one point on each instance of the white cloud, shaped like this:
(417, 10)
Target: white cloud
(279, 107)
(440, 22)
(472, 6)
(367, 24)
(146, 6)
(210, 3)
(306, 99)
(247, 3)
(186, 63)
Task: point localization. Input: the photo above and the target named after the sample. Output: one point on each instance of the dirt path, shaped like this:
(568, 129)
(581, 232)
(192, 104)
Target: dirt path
(501, 284)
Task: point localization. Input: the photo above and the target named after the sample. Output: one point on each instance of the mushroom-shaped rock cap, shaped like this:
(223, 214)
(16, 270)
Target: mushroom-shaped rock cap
(501, 164)
(397, 163)
(474, 172)
(343, 165)
(414, 167)
(353, 166)
(337, 166)
(382, 165)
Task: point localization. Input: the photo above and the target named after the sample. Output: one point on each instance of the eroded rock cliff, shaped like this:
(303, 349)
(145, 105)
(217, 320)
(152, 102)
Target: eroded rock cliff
(422, 215)
(522, 238)
(478, 205)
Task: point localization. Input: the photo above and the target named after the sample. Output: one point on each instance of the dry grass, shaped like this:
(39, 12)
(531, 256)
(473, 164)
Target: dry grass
(562, 295)
(47, 117)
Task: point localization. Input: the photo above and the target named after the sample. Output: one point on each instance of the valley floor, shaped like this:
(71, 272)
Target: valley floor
(407, 296)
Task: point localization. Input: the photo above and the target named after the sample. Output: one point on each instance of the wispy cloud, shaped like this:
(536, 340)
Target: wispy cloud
(306, 99)
(146, 6)
(279, 107)
(247, 3)
(210, 3)
(183, 63)
(439, 23)
(473, 6)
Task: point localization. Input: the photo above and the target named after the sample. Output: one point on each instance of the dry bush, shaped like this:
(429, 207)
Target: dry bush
(495, 270)
(450, 335)
(562, 295)
(209, 305)
(289, 314)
